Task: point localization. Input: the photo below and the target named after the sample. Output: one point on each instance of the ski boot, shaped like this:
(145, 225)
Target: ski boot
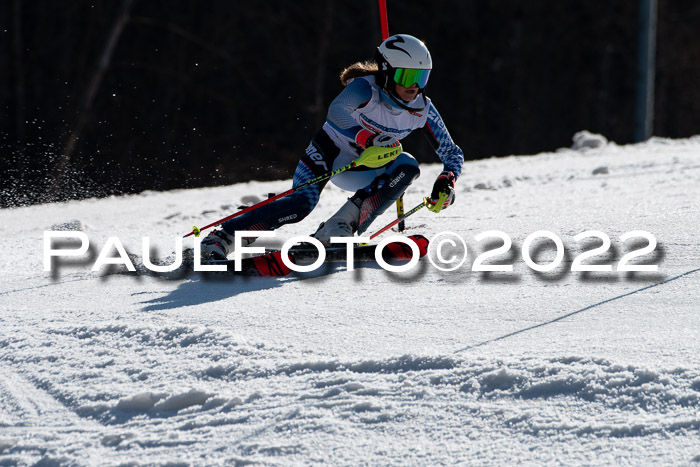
(217, 245)
(341, 224)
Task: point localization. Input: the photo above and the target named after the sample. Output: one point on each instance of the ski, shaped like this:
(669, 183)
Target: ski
(271, 265)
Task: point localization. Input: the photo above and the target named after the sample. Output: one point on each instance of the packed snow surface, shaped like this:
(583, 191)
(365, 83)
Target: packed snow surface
(423, 367)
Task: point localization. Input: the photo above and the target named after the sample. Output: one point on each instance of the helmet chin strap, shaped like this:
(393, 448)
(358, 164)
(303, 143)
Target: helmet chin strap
(402, 103)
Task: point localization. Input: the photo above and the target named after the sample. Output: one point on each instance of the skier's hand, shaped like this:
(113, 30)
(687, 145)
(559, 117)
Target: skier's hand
(377, 150)
(366, 138)
(383, 141)
(443, 194)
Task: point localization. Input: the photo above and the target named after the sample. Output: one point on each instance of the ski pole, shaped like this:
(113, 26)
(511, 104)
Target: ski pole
(398, 219)
(372, 157)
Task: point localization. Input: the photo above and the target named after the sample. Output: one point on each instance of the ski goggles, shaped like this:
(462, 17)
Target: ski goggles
(407, 77)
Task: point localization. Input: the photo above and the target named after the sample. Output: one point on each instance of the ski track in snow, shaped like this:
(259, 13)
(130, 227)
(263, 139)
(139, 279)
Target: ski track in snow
(367, 367)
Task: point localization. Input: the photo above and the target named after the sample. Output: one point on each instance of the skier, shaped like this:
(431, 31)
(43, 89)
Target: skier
(383, 102)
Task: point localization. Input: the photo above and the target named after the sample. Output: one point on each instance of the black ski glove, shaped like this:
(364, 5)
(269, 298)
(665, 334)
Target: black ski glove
(443, 194)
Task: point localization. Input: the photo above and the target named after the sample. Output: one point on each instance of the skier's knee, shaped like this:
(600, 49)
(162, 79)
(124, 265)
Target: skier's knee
(403, 159)
(403, 175)
(297, 208)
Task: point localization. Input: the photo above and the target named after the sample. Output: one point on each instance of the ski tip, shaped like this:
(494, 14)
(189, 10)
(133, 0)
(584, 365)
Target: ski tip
(401, 250)
(271, 264)
(422, 243)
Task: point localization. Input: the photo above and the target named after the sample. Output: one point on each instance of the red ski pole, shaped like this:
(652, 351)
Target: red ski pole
(196, 231)
(373, 157)
(397, 220)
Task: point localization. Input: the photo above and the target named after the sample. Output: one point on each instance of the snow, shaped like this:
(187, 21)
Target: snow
(369, 367)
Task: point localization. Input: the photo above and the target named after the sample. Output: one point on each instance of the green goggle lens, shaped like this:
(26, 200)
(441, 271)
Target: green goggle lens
(407, 77)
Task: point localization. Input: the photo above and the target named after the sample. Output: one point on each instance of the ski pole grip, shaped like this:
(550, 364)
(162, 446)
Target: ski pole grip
(437, 206)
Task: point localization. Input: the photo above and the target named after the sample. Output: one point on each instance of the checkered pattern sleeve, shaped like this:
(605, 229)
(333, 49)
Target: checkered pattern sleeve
(356, 94)
(449, 153)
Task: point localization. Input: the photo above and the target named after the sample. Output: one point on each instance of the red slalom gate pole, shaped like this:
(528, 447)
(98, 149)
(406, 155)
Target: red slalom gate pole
(383, 19)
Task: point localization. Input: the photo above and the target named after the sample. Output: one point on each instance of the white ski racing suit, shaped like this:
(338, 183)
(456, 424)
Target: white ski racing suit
(362, 105)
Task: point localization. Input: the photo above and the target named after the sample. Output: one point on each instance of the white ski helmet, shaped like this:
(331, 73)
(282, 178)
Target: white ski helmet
(403, 60)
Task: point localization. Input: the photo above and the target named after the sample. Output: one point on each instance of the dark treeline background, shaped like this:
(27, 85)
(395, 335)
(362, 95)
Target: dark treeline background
(108, 97)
